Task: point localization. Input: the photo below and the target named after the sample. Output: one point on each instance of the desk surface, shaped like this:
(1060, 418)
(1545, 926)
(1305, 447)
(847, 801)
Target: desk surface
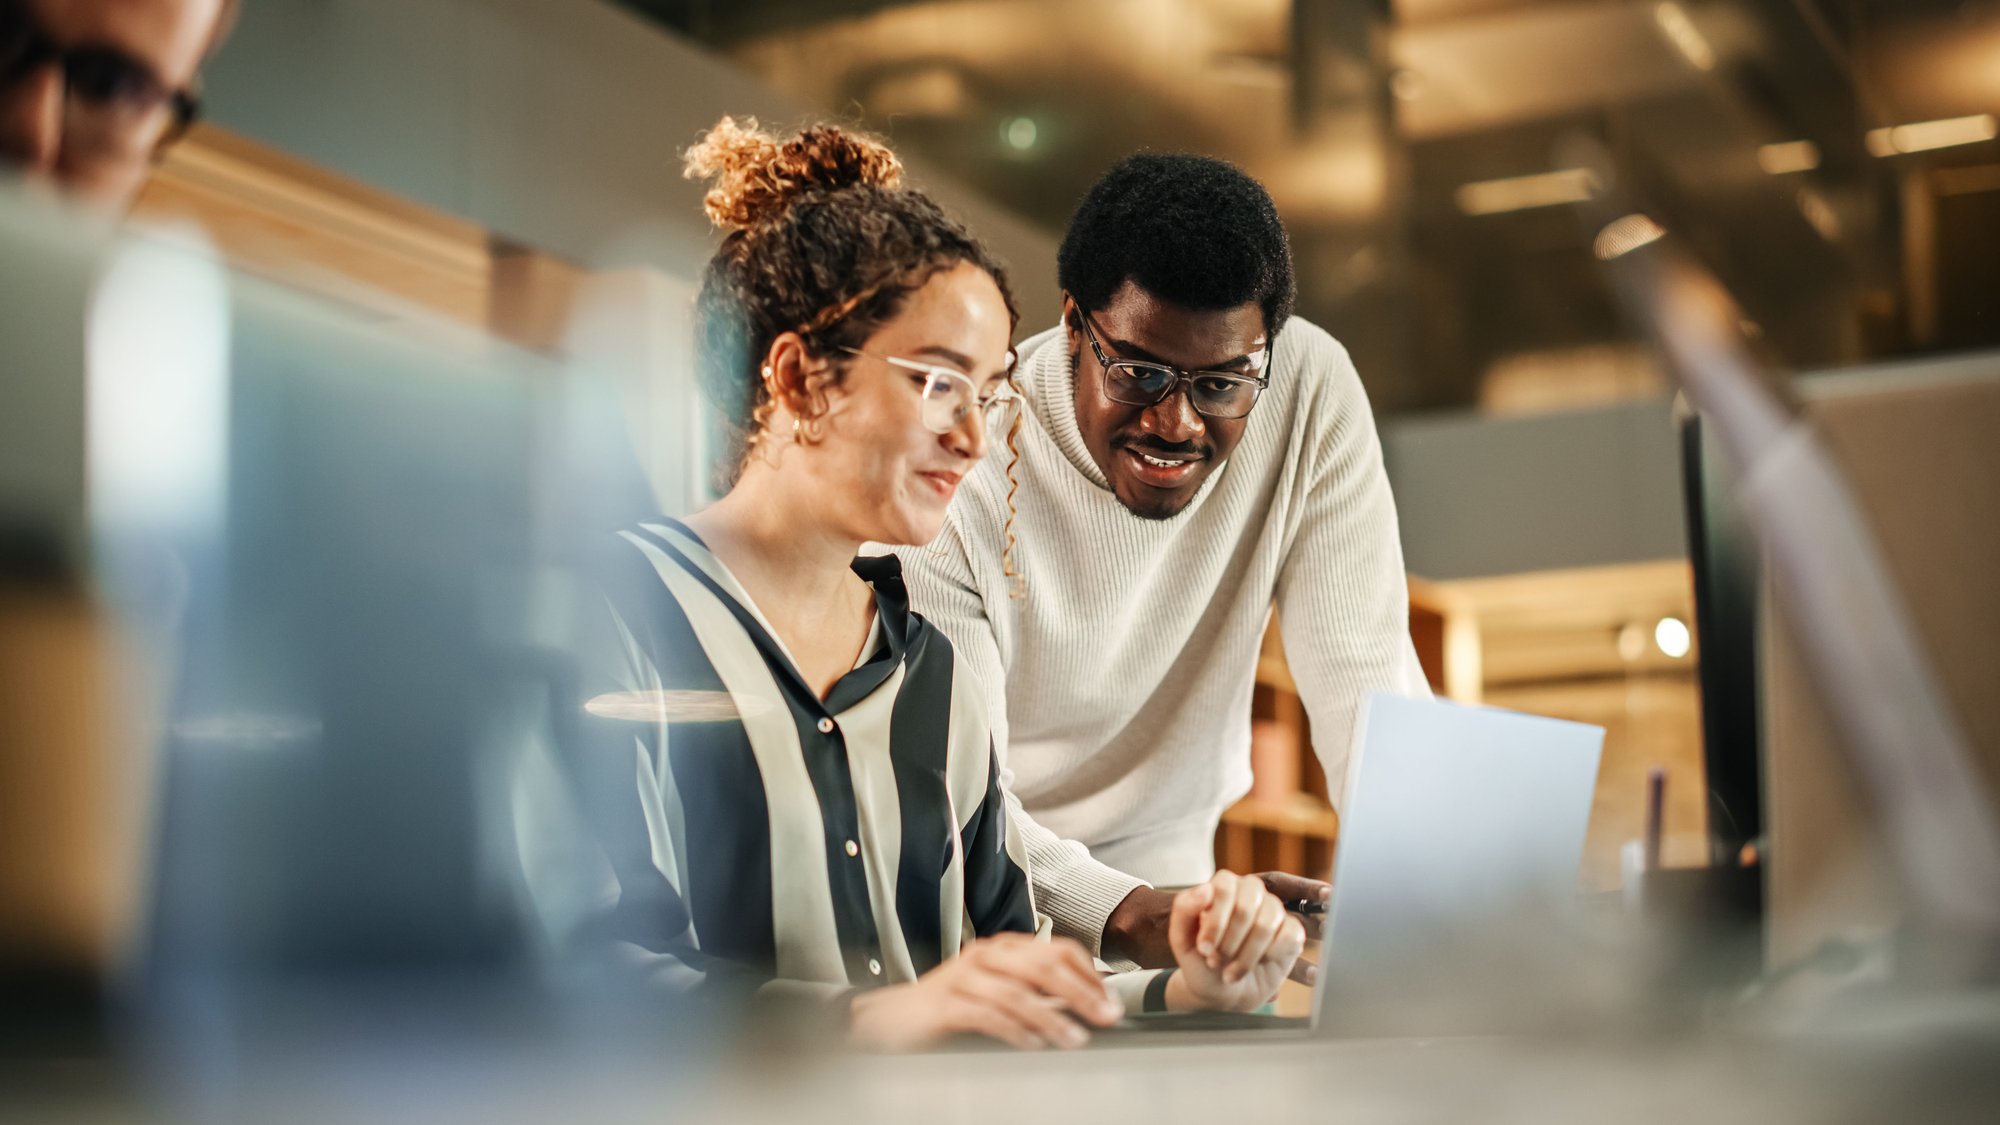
(1887, 1071)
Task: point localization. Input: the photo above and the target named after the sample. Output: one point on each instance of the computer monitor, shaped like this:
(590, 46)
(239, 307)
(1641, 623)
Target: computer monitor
(1887, 708)
(1726, 577)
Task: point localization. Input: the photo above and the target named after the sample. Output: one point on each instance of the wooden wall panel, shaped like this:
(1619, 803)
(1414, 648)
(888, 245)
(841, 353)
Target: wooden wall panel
(278, 217)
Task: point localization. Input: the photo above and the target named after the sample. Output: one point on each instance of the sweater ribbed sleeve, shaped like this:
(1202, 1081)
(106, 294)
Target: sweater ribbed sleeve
(1341, 594)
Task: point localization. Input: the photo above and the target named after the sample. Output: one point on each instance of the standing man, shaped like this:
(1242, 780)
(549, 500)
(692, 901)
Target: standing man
(93, 91)
(1190, 456)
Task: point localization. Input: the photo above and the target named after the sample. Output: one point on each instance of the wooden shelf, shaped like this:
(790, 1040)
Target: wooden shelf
(1273, 673)
(1293, 833)
(1285, 824)
(1300, 813)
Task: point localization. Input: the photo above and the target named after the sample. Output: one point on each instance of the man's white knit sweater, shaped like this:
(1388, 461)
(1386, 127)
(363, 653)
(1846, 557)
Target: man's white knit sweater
(1119, 681)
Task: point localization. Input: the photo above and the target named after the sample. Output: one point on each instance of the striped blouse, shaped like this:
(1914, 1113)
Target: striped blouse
(762, 837)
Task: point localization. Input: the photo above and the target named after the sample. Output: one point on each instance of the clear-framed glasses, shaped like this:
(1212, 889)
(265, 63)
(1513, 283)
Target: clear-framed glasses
(949, 396)
(1216, 394)
(113, 104)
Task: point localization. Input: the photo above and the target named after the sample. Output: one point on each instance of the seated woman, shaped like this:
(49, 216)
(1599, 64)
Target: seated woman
(810, 799)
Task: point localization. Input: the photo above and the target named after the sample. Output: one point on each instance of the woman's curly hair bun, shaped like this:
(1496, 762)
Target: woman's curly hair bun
(755, 177)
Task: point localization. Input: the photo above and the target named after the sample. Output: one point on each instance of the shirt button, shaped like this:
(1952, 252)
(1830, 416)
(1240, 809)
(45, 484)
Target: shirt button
(826, 726)
(853, 848)
(875, 966)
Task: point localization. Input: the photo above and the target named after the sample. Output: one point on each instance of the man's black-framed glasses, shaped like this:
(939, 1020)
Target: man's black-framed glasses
(111, 101)
(1215, 394)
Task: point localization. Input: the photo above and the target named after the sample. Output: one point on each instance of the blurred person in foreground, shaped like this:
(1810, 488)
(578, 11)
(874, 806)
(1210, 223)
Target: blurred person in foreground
(92, 92)
(1191, 455)
(791, 773)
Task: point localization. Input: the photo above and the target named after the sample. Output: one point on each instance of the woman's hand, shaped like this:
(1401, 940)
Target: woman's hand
(1234, 944)
(1011, 987)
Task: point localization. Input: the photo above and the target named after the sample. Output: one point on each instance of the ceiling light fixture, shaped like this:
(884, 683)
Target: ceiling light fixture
(1820, 214)
(1684, 35)
(1623, 235)
(1922, 136)
(1788, 156)
(1020, 133)
(1673, 637)
(1518, 193)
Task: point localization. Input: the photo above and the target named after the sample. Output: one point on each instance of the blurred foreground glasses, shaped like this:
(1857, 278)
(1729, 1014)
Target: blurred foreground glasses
(113, 104)
(1216, 394)
(950, 397)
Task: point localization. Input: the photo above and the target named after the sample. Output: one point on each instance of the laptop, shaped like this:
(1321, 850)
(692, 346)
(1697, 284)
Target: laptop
(1454, 877)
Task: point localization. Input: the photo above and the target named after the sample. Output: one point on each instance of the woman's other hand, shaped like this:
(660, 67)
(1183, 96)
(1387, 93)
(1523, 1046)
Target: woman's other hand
(1011, 987)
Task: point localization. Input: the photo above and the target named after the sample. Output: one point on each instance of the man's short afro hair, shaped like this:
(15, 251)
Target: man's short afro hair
(1191, 230)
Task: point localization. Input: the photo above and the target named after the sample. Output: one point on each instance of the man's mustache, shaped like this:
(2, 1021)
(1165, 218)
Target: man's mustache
(1165, 449)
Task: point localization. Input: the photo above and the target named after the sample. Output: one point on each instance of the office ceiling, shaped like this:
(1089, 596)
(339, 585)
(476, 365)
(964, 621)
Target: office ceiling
(1367, 116)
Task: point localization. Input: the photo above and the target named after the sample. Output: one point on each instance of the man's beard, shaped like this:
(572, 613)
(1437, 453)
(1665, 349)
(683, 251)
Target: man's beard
(1167, 508)
(1165, 505)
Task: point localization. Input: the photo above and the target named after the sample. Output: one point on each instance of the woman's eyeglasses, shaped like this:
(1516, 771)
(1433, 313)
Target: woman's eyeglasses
(1216, 394)
(949, 397)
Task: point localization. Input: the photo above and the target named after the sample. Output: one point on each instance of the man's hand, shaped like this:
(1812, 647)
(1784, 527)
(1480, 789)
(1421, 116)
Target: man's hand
(1233, 942)
(1011, 987)
(1293, 890)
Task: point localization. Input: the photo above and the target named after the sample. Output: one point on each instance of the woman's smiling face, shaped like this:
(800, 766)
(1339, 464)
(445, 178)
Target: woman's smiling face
(882, 474)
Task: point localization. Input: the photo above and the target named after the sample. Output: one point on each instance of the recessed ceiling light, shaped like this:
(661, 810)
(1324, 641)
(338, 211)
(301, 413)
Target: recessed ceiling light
(1684, 35)
(1788, 156)
(1820, 214)
(1623, 235)
(1020, 133)
(1672, 635)
(1922, 136)
(1518, 193)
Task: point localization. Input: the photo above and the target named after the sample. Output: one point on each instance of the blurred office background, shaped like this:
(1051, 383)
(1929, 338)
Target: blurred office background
(512, 165)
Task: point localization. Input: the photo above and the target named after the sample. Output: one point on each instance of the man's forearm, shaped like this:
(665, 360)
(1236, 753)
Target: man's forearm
(1078, 893)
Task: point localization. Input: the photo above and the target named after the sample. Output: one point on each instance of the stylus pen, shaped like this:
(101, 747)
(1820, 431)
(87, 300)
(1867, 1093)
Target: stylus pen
(1656, 807)
(1306, 906)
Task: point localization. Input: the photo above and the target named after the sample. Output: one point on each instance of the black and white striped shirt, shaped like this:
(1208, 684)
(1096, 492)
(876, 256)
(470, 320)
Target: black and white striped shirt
(764, 838)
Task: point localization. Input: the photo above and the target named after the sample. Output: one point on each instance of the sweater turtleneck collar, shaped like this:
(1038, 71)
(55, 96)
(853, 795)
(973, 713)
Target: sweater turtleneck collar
(1048, 379)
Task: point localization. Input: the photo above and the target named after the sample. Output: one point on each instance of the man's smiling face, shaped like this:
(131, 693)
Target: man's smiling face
(1156, 457)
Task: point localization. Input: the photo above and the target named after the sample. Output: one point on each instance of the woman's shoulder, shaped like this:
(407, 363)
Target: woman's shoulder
(626, 564)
